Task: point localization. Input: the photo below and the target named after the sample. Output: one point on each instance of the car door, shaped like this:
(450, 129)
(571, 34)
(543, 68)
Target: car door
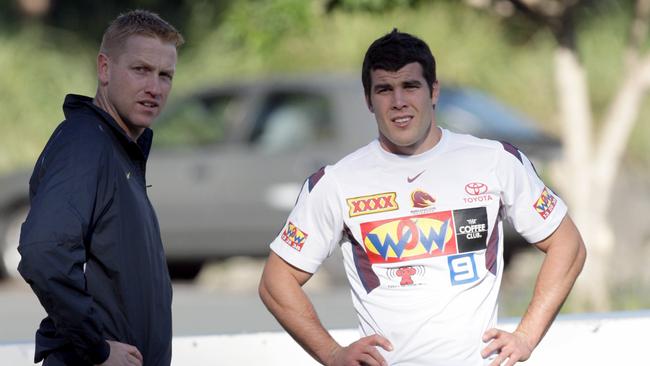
(191, 169)
(291, 136)
(229, 167)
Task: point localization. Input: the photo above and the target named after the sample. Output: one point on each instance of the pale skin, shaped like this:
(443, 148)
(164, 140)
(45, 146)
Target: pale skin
(134, 81)
(402, 104)
(281, 291)
(123, 355)
(565, 257)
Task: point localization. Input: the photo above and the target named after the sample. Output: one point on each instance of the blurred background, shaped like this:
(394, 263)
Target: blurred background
(566, 81)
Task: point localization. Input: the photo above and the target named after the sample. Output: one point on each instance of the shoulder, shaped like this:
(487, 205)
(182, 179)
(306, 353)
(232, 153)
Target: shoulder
(361, 157)
(325, 179)
(79, 139)
(481, 147)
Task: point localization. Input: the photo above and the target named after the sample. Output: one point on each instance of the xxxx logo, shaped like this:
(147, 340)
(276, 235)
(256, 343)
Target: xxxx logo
(365, 205)
(407, 238)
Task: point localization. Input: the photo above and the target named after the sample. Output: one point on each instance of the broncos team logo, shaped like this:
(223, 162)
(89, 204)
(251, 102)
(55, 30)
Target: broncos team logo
(407, 238)
(422, 199)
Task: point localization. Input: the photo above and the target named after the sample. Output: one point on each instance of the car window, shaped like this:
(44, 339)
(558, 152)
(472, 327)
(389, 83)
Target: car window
(196, 121)
(291, 120)
(470, 111)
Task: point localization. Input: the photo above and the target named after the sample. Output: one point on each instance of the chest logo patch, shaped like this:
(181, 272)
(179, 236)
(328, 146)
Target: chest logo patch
(422, 199)
(407, 275)
(545, 203)
(376, 203)
(471, 229)
(408, 238)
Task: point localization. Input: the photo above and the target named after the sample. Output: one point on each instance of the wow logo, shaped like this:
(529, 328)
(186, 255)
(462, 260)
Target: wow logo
(294, 237)
(407, 238)
(545, 203)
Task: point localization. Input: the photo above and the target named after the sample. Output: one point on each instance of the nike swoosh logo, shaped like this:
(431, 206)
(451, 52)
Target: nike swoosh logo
(410, 180)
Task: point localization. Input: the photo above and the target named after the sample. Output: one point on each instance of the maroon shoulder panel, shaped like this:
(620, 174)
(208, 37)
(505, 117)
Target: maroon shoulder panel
(368, 277)
(512, 149)
(314, 178)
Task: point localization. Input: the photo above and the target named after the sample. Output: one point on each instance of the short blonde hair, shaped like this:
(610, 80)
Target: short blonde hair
(138, 22)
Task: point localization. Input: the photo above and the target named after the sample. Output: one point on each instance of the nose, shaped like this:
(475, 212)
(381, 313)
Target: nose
(398, 99)
(153, 86)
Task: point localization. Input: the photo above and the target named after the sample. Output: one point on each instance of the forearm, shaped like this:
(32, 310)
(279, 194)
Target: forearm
(287, 301)
(57, 278)
(562, 265)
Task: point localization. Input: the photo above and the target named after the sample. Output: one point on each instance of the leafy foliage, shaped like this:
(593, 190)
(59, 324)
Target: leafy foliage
(248, 38)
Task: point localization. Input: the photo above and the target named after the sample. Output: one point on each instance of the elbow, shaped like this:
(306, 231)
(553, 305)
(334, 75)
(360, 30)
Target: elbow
(29, 264)
(581, 256)
(263, 290)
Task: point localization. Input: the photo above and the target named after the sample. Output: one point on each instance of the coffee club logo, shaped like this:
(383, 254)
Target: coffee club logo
(477, 192)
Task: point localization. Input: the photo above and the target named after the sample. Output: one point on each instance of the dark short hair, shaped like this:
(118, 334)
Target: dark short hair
(394, 51)
(139, 22)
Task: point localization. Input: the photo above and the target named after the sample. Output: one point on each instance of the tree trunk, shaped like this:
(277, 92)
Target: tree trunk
(576, 178)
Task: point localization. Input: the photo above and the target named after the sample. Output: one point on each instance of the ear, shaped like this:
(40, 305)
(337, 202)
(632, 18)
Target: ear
(369, 104)
(435, 93)
(103, 68)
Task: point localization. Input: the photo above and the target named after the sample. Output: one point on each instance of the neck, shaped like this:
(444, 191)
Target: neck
(101, 100)
(433, 136)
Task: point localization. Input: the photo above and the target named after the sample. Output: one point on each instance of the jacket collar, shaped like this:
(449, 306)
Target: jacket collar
(78, 103)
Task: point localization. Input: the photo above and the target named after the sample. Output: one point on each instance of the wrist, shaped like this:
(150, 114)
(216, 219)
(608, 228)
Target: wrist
(331, 354)
(528, 340)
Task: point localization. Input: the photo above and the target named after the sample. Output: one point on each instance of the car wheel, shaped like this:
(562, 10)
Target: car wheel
(9, 243)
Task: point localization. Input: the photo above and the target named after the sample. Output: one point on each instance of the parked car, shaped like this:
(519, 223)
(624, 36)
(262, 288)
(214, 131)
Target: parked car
(229, 161)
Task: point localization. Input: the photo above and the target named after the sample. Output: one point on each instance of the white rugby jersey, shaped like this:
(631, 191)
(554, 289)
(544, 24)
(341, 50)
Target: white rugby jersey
(422, 239)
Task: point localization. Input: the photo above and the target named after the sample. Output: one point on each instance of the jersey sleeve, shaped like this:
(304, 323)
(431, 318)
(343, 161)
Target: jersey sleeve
(314, 227)
(534, 209)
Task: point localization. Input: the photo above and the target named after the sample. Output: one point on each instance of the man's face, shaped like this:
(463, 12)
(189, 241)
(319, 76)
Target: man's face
(137, 80)
(403, 106)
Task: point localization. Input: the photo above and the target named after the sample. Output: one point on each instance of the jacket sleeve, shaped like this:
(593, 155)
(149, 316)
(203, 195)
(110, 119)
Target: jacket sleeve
(69, 181)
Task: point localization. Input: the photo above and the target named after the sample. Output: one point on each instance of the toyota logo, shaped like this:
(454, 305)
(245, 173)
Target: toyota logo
(475, 188)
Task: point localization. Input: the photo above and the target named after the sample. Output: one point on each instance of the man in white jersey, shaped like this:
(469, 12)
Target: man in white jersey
(417, 214)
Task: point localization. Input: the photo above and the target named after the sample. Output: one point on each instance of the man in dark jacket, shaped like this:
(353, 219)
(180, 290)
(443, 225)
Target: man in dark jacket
(91, 247)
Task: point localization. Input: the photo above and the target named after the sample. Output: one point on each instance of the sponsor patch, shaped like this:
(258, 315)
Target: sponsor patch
(462, 269)
(545, 203)
(293, 236)
(376, 203)
(407, 238)
(405, 275)
(477, 192)
(476, 188)
(471, 229)
(422, 199)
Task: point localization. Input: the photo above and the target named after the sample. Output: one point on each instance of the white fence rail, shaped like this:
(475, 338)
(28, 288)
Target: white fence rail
(589, 339)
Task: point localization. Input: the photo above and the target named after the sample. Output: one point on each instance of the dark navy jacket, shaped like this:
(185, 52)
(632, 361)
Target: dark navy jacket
(91, 247)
